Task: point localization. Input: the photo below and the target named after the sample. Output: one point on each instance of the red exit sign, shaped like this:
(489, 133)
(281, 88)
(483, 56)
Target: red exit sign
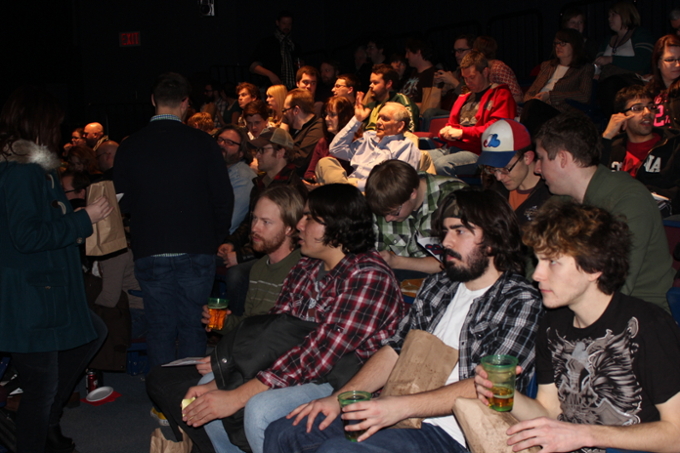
(130, 39)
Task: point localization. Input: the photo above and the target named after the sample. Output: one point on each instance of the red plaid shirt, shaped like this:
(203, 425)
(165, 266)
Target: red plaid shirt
(357, 304)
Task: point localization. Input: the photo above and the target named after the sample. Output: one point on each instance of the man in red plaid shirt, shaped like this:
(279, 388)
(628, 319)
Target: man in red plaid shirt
(344, 286)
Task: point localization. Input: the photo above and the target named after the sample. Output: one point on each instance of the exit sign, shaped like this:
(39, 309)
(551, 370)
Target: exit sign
(130, 39)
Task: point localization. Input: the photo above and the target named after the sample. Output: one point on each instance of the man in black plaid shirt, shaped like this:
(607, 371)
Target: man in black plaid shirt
(480, 305)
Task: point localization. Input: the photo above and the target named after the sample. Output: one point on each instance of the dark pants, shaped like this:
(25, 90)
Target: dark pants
(48, 379)
(237, 280)
(166, 388)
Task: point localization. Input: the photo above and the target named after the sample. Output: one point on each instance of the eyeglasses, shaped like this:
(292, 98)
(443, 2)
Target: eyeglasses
(396, 212)
(457, 51)
(226, 141)
(264, 149)
(337, 85)
(671, 60)
(284, 110)
(638, 108)
(560, 43)
(503, 171)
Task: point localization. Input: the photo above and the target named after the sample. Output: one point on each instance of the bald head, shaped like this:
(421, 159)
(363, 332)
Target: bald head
(392, 120)
(106, 153)
(92, 133)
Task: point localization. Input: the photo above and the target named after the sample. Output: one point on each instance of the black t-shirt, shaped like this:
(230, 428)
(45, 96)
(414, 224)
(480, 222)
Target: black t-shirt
(614, 371)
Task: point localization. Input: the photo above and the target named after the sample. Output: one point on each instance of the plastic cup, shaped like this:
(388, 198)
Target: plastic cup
(218, 311)
(502, 373)
(351, 397)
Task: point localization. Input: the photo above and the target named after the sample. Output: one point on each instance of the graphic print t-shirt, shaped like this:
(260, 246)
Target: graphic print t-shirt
(614, 371)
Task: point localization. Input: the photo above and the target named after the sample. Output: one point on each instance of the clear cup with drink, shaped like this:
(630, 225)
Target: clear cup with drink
(218, 311)
(501, 371)
(351, 397)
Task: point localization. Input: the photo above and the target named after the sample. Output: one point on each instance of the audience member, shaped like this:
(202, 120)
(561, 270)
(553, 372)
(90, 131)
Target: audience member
(106, 154)
(247, 93)
(665, 70)
(344, 287)
(234, 145)
(674, 18)
(381, 88)
(213, 104)
(480, 305)
(419, 56)
(470, 116)
(83, 158)
(346, 85)
(232, 111)
(256, 114)
(592, 335)
(275, 56)
(305, 127)
(364, 153)
(568, 152)
(452, 82)
(276, 95)
(328, 71)
(339, 110)
(575, 19)
(307, 78)
(165, 169)
(500, 72)
(624, 56)
(567, 77)
(77, 139)
(632, 144)
(202, 121)
(375, 50)
(509, 156)
(400, 64)
(45, 325)
(403, 202)
(94, 135)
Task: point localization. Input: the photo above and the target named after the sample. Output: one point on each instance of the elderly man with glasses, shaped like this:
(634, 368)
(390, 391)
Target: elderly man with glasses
(508, 157)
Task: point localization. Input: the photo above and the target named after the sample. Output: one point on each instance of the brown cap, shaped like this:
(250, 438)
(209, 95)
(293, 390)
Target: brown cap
(275, 136)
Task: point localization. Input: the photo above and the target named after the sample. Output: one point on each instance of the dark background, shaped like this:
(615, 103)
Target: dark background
(72, 46)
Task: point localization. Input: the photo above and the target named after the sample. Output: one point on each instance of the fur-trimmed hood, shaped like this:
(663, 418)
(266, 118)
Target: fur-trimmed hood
(27, 152)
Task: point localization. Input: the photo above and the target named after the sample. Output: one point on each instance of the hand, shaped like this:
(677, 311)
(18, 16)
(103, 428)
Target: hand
(376, 415)
(601, 61)
(204, 367)
(328, 406)
(274, 79)
(543, 96)
(483, 385)
(226, 252)
(446, 77)
(311, 185)
(360, 112)
(451, 133)
(200, 390)
(99, 209)
(617, 124)
(552, 435)
(212, 405)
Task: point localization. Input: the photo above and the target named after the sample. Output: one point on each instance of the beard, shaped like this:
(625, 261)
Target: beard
(474, 267)
(270, 245)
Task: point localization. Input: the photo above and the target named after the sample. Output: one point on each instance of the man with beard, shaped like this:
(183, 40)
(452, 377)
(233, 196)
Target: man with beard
(234, 145)
(481, 304)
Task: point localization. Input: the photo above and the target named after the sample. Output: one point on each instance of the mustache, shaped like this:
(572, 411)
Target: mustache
(452, 253)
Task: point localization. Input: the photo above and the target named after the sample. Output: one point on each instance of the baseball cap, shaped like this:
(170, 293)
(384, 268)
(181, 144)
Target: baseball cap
(274, 135)
(501, 141)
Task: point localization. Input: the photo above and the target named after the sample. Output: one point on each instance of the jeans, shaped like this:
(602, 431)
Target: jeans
(175, 290)
(215, 429)
(283, 437)
(453, 161)
(48, 379)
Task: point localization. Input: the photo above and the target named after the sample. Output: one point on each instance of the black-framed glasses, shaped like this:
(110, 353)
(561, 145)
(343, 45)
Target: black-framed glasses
(457, 51)
(638, 108)
(671, 60)
(560, 43)
(503, 171)
(284, 110)
(226, 141)
(396, 212)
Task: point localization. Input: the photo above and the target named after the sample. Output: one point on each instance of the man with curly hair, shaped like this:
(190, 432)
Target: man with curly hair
(608, 365)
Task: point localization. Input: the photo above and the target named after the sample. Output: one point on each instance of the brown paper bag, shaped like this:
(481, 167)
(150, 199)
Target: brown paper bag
(425, 363)
(108, 234)
(485, 428)
(432, 98)
(159, 444)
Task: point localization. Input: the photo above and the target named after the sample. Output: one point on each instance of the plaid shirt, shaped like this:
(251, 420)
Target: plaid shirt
(504, 320)
(357, 305)
(413, 237)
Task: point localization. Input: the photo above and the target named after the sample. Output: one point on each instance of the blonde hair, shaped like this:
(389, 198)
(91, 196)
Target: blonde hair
(279, 93)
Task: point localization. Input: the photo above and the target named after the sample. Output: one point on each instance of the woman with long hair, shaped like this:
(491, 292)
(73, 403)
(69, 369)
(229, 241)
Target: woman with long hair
(276, 95)
(45, 323)
(339, 110)
(665, 70)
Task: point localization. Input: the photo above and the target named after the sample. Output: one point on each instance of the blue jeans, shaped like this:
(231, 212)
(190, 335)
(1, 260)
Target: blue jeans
(283, 437)
(453, 161)
(175, 290)
(261, 410)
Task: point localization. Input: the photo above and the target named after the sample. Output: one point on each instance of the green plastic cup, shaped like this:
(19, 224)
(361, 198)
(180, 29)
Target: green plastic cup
(351, 397)
(502, 373)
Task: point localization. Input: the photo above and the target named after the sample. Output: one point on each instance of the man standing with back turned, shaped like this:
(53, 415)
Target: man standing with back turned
(177, 190)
